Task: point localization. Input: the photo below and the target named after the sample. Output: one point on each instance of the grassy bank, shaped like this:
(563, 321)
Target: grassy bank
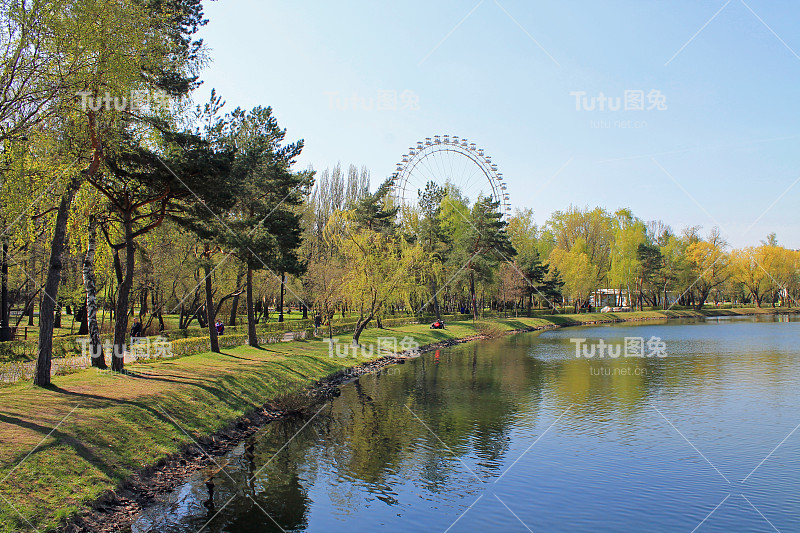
(62, 447)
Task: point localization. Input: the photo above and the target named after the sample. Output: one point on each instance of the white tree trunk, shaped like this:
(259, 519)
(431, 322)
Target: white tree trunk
(89, 283)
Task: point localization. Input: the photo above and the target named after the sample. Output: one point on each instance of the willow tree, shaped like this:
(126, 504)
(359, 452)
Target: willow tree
(710, 264)
(756, 269)
(625, 264)
(579, 274)
(381, 268)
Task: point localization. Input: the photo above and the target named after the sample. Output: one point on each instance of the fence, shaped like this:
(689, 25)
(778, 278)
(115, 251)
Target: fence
(22, 354)
(13, 371)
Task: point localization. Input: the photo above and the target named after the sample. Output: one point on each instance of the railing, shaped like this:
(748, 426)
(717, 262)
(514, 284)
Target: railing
(70, 352)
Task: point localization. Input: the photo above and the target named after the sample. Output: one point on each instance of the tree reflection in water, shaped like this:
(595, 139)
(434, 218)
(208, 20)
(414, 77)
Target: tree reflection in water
(419, 442)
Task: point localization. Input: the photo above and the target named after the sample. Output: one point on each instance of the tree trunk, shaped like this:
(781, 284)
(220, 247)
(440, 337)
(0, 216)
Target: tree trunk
(29, 309)
(252, 337)
(212, 328)
(89, 283)
(50, 296)
(360, 326)
(81, 314)
(280, 304)
(235, 301)
(201, 316)
(472, 295)
(121, 318)
(436, 310)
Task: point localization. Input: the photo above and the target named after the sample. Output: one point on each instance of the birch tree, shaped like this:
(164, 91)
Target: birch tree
(90, 284)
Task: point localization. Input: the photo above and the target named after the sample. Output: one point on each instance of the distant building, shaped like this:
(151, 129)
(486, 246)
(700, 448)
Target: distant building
(619, 298)
(609, 298)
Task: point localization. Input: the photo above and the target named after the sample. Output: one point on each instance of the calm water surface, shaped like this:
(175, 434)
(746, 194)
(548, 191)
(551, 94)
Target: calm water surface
(518, 434)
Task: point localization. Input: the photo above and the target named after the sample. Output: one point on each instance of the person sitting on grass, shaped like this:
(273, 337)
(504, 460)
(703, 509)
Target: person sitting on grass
(439, 324)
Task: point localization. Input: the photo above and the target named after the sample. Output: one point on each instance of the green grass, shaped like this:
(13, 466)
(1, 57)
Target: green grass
(117, 425)
(91, 430)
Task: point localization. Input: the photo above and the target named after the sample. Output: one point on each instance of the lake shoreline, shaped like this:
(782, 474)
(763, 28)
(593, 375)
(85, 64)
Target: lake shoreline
(118, 509)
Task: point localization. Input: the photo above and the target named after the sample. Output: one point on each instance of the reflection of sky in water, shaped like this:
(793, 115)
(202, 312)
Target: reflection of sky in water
(611, 462)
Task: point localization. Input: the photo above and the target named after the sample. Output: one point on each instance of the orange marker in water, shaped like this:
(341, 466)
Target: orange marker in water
(436, 357)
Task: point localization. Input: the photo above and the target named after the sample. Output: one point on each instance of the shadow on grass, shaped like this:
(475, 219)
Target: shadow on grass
(60, 437)
(246, 358)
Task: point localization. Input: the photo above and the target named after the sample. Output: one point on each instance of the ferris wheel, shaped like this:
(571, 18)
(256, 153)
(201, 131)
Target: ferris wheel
(448, 160)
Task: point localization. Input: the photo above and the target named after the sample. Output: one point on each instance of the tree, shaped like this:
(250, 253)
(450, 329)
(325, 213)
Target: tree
(374, 212)
(380, 268)
(625, 264)
(674, 266)
(49, 303)
(650, 265)
(749, 267)
(596, 229)
(188, 178)
(90, 284)
(435, 242)
(485, 241)
(266, 219)
(151, 50)
(709, 263)
(535, 275)
(771, 240)
(579, 274)
(30, 84)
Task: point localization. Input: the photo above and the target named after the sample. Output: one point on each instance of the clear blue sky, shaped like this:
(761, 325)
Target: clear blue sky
(724, 151)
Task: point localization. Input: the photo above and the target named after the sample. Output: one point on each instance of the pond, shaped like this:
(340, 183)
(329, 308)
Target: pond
(525, 433)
